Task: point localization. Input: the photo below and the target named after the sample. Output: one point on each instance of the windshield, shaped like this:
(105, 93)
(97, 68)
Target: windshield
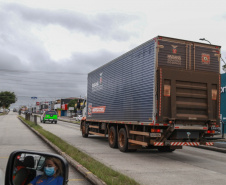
(51, 112)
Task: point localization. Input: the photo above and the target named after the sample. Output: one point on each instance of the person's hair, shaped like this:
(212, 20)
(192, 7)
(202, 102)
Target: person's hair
(58, 163)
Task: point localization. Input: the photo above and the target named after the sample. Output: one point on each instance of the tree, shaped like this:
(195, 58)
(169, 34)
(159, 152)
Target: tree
(72, 103)
(7, 98)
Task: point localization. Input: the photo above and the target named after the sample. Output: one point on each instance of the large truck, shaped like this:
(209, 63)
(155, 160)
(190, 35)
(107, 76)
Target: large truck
(163, 94)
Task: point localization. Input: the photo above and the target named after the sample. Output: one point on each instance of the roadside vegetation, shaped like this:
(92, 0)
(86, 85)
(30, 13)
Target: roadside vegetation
(3, 113)
(7, 98)
(108, 175)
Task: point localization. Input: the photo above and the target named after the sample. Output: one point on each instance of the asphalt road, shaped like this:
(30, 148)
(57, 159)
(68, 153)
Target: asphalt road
(189, 166)
(14, 135)
(220, 144)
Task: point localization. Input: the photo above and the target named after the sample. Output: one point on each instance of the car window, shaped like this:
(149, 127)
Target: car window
(51, 112)
(40, 163)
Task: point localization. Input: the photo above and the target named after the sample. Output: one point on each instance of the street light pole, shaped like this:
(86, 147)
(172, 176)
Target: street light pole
(203, 39)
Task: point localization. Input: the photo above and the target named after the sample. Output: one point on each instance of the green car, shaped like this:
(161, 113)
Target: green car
(50, 116)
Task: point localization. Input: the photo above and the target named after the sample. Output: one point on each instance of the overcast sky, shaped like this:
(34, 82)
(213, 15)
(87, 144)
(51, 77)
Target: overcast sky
(47, 48)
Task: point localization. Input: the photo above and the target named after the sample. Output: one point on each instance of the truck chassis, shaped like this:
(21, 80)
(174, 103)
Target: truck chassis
(128, 136)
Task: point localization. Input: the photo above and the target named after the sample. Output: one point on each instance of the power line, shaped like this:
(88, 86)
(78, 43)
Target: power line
(53, 78)
(42, 81)
(45, 85)
(48, 72)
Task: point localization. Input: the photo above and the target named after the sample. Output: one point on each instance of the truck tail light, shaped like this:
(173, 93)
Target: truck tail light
(210, 131)
(156, 130)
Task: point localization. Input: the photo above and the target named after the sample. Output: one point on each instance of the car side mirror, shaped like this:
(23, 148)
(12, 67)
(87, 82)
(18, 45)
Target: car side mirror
(24, 166)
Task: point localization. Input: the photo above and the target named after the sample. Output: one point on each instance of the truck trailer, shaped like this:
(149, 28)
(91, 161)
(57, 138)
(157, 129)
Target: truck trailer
(163, 94)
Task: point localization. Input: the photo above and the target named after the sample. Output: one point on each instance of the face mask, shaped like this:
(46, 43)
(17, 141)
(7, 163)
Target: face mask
(49, 171)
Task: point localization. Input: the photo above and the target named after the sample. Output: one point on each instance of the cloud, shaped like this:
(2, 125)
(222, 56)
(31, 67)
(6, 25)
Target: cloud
(26, 66)
(105, 25)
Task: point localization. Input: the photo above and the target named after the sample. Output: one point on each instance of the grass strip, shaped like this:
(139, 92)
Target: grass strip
(2, 114)
(108, 175)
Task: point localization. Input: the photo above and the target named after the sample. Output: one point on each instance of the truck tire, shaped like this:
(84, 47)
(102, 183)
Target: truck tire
(112, 137)
(122, 140)
(55, 122)
(84, 134)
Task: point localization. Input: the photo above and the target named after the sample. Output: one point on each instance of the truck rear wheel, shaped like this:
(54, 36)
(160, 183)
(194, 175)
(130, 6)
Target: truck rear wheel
(84, 134)
(112, 137)
(122, 140)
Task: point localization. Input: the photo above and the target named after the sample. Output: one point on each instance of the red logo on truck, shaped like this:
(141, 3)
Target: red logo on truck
(174, 49)
(100, 109)
(205, 58)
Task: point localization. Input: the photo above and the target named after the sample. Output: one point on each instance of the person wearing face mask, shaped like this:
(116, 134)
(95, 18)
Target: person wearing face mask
(52, 173)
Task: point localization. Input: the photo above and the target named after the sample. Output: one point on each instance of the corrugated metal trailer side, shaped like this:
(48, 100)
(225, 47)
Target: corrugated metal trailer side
(124, 89)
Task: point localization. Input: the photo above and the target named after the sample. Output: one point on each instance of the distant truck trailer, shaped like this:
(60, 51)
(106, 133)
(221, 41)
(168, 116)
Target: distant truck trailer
(163, 94)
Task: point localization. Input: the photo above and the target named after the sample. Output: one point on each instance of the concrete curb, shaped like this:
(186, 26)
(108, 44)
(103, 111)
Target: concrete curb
(68, 121)
(81, 169)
